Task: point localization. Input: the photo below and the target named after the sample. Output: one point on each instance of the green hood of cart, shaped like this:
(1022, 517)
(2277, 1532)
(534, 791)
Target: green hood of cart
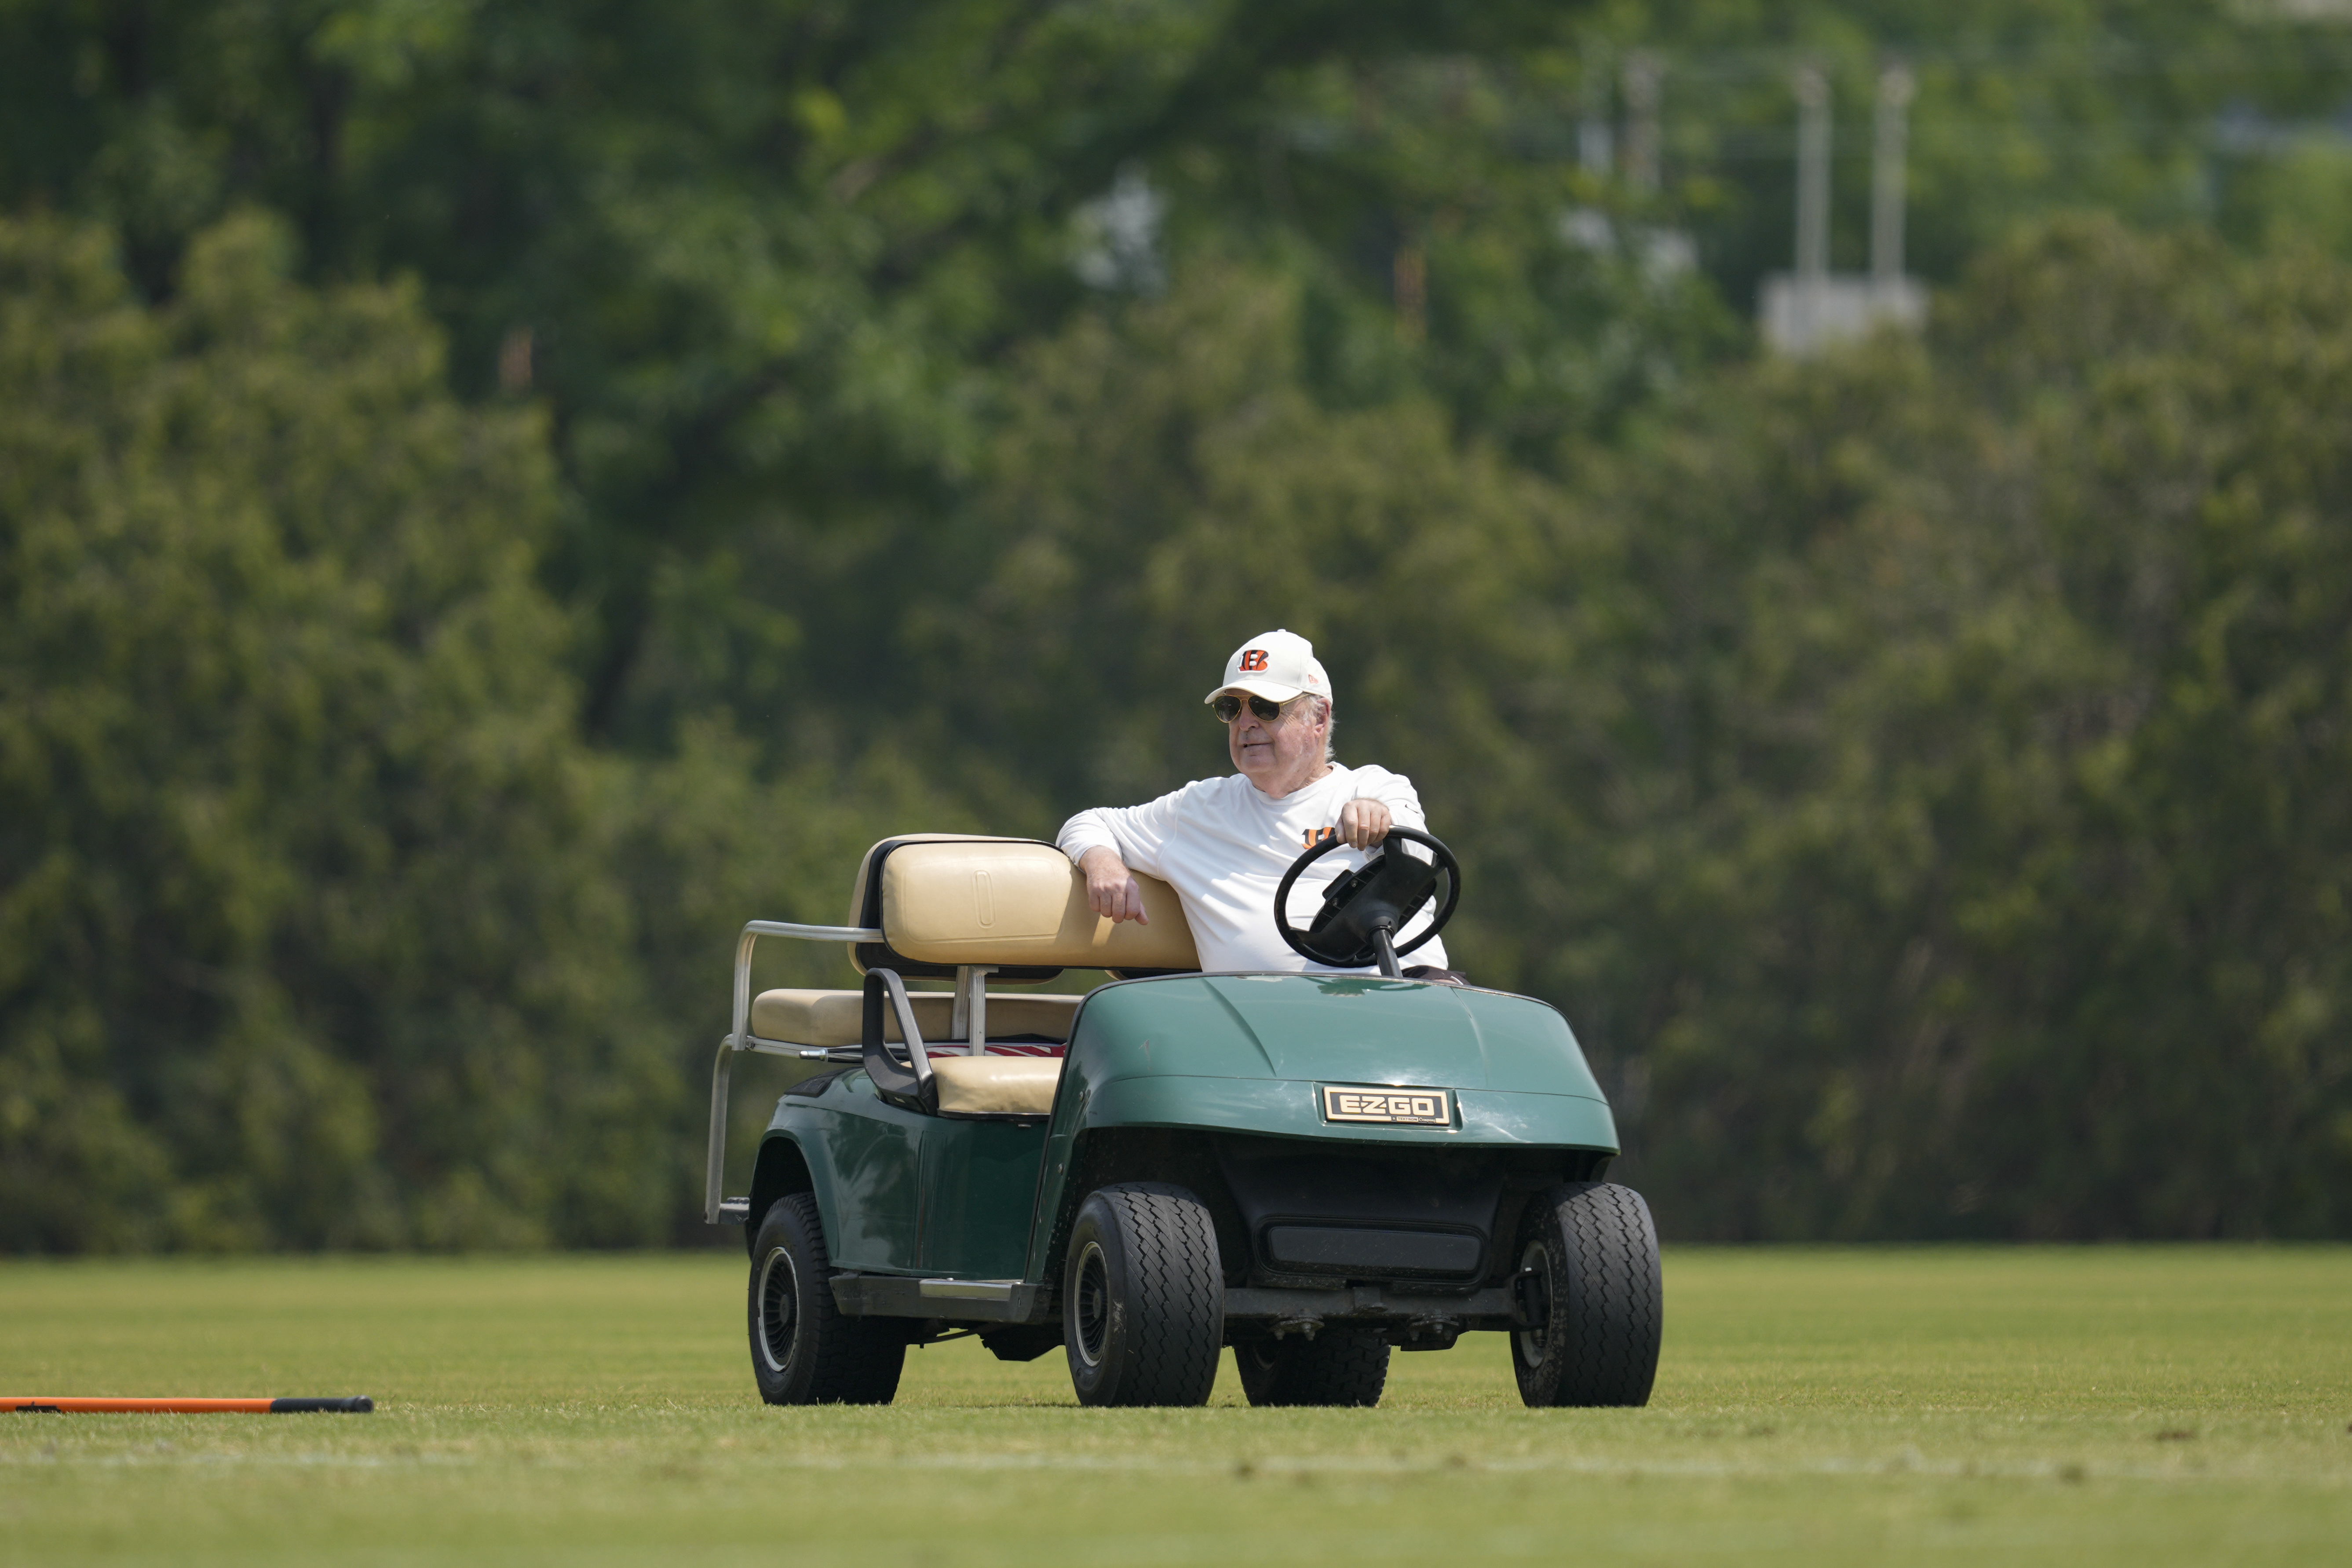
(1210, 1050)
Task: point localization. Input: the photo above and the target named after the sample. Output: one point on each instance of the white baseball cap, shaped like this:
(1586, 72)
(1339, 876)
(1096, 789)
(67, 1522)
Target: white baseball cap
(1276, 666)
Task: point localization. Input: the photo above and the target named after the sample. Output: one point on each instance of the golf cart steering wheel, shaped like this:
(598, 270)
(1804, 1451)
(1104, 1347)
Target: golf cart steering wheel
(1362, 913)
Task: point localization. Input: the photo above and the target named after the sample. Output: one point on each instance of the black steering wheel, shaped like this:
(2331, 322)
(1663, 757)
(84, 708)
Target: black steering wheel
(1363, 911)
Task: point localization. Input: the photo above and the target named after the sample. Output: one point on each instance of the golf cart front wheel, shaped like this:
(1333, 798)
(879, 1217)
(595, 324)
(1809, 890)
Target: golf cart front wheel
(1588, 1297)
(1143, 1298)
(804, 1351)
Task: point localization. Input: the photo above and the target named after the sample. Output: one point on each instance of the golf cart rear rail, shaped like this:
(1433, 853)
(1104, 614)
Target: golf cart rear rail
(718, 1210)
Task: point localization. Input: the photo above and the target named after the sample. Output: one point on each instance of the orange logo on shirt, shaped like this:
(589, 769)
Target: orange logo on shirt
(1253, 658)
(1314, 835)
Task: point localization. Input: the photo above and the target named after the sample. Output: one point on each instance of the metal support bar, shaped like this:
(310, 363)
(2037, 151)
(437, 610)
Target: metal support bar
(969, 1289)
(1476, 1308)
(884, 985)
(1020, 1301)
(721, 1071)
(950, 1300)
(973, 1006)
(790, 1048)
(740, 1038)
(753, 931)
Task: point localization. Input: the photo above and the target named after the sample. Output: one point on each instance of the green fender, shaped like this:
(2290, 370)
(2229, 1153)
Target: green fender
(1250, 1053)
(901, 1193)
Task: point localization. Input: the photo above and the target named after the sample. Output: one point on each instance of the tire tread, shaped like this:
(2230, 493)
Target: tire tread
(854, 1361)
(1175, 1321)
(1609, 1299)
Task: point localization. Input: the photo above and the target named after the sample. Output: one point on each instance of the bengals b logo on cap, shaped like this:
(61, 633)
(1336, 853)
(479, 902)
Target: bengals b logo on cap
(1278, 664)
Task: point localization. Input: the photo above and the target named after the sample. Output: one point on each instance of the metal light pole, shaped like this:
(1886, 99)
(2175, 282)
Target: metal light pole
(1595, 144)
(1813, 194)
(1642, 83)
(1888, 148)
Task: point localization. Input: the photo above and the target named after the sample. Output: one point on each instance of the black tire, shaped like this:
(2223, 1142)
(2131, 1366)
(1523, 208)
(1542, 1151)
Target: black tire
(804, 1351)
(1337, 1366)
(1588, 1267)
(1143, 1298)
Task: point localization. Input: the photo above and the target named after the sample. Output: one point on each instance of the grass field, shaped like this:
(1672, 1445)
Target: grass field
(2141, 1405)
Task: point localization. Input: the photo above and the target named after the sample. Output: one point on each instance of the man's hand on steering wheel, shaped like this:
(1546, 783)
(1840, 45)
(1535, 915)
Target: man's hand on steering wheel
(1364, 822)
(1364, 912)
(1111, 889)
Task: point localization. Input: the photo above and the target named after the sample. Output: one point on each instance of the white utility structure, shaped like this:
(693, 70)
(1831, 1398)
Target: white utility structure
(1812, 307)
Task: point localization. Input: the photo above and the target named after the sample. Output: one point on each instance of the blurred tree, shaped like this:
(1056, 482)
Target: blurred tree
(760, 258)
(309, 941)
(319, 925)
(1992, 882)
(765, 261)
(302, 945)
(2298, 194)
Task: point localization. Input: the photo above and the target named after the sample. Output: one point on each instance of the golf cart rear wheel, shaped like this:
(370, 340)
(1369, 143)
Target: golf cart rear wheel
(1337, 1366)
(804, 1351)
(1143, 1298)
(1588, 1282)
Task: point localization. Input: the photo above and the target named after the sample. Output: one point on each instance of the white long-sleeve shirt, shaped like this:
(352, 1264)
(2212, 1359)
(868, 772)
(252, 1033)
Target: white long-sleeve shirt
(1223, 847)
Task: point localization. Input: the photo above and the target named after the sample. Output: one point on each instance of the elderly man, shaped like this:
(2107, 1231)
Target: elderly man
(1224, 843)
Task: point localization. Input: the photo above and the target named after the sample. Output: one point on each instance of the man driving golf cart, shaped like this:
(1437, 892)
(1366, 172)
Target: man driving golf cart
(1224, 843)
(1263, 1133)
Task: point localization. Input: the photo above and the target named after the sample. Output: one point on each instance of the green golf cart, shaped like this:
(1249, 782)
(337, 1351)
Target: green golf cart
(1314, 1168)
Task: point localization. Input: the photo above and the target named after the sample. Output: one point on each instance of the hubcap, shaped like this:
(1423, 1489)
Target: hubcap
(1532, 1342)
(779, 1309)
(1090, 1305)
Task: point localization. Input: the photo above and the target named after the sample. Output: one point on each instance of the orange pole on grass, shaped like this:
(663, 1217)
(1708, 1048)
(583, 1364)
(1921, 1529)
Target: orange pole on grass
(358, 1404)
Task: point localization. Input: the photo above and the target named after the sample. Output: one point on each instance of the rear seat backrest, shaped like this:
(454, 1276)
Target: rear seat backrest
(865, 910)
(1017, 902)
(859, 912)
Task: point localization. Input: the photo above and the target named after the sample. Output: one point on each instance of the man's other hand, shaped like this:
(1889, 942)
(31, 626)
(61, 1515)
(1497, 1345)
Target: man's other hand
(1111, 889)
(1363, 823)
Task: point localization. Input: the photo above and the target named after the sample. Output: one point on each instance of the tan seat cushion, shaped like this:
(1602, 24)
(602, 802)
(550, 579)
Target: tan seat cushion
(839, 1018)
(995, 1085)
(1013, 903)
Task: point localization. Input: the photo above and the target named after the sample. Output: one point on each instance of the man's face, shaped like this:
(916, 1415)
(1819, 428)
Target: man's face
(1280, 756)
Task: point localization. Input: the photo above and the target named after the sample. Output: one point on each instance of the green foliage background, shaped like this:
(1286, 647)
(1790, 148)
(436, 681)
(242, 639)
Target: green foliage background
(492, 497)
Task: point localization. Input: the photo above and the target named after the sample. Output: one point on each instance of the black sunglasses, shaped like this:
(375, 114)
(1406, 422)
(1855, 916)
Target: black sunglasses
(1228, 707)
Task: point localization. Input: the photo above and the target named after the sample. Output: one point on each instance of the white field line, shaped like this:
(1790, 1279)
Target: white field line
(1908, 1462)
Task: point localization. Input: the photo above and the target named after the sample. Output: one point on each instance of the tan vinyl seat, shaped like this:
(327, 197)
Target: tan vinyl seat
(995, 1085)
(839, 1018)
(1016, 903)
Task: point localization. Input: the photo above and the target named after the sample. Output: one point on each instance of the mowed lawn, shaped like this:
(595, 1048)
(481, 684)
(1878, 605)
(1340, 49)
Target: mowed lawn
(2076, 1406)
